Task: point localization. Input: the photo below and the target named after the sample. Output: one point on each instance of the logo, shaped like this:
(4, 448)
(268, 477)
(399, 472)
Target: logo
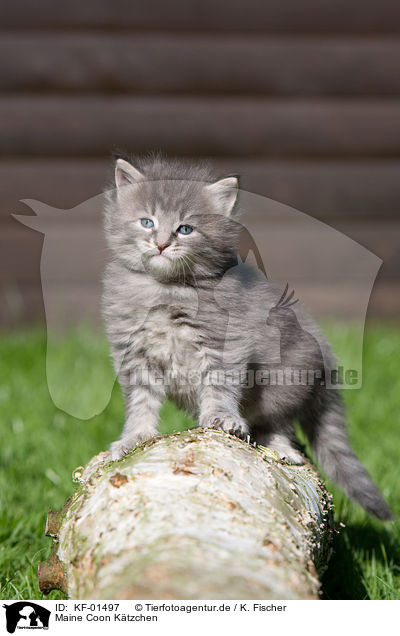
(26, 615)
(332, 274)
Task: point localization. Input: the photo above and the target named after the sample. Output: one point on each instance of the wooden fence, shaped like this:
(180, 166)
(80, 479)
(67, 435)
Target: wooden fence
(301, 97)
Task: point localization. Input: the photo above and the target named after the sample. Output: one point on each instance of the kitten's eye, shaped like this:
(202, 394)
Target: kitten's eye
(185, 229)
(148, 223)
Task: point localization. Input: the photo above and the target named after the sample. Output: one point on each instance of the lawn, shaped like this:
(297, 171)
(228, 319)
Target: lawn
(41, 445)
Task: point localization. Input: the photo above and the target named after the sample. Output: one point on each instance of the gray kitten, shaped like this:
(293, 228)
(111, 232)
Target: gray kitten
(176, 305)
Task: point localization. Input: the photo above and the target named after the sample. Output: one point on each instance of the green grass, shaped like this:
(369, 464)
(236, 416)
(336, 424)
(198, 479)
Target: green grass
(41, 445)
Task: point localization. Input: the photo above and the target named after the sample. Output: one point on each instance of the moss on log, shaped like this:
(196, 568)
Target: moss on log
(193, 515)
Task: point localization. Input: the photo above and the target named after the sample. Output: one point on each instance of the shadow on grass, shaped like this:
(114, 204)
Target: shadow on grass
(357, 542)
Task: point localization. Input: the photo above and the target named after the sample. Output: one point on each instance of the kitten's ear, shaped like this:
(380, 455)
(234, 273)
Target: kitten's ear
(224, 193)
(126, 174)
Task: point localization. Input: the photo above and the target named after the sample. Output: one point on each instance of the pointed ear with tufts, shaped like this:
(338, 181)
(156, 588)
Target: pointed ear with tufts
(224, 193)
(126, 174)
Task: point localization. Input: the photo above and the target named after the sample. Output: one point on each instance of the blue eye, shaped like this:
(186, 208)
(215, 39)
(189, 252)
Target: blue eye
(185, 229)
(147, 223)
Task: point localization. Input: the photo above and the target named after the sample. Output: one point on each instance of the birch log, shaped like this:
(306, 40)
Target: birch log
(193, 515)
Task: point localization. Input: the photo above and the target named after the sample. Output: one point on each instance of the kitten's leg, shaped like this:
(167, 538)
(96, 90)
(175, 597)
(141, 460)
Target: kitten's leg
(143, 402)
(219, 408)
(279, 436)
(282, 445)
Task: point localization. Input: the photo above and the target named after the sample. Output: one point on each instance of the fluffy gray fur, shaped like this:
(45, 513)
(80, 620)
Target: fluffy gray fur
(190, 309)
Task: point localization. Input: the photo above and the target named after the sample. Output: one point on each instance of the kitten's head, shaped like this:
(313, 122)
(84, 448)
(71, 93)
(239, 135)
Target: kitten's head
(172, 220)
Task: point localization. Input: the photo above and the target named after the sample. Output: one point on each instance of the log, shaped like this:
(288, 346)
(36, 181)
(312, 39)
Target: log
(192, 515)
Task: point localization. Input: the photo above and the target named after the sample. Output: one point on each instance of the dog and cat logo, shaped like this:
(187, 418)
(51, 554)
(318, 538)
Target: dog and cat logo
(26, 615)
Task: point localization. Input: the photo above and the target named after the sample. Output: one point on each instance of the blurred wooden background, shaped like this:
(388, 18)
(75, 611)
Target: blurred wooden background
(301, 97)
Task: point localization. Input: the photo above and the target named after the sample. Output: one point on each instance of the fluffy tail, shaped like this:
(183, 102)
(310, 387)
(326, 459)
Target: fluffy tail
(325, 428)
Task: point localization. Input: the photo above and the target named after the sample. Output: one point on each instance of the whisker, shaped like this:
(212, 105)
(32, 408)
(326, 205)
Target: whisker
(188, 260)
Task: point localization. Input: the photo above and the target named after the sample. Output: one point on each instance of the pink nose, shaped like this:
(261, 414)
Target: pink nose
(162, 246)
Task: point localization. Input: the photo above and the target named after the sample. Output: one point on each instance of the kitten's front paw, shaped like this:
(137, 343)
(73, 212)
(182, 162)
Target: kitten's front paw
(228, 423)
(123, 446)
(120, 448)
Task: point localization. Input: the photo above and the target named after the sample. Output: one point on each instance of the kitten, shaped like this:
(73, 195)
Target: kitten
(175, 303)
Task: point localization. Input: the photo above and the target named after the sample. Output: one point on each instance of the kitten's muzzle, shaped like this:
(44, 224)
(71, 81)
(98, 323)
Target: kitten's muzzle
(162, 246)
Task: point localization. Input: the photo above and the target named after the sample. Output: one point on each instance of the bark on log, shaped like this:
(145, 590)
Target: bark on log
(193, 515)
